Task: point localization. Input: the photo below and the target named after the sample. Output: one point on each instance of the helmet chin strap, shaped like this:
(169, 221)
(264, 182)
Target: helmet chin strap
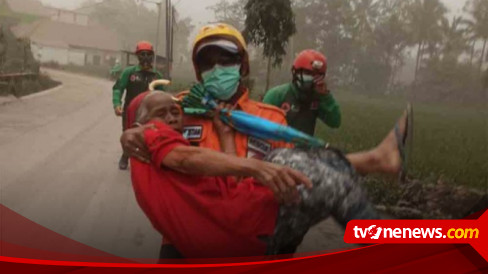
(296, 78)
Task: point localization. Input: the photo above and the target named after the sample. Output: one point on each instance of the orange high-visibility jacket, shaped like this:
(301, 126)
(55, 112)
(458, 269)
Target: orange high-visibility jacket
(201, 132)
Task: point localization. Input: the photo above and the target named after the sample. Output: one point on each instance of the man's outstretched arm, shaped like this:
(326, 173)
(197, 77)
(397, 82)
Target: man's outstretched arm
(207, 162)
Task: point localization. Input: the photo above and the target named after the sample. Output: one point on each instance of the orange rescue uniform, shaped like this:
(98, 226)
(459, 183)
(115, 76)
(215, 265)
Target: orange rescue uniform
(200, 131)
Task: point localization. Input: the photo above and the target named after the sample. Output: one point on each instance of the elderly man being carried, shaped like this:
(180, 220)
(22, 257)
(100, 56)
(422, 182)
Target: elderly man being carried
(191, 194)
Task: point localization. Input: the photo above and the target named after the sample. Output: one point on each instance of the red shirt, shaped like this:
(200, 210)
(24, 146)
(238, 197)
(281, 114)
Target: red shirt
(208, 217)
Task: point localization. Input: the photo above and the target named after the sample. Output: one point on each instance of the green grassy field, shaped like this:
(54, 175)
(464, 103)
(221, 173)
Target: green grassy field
(450, 142)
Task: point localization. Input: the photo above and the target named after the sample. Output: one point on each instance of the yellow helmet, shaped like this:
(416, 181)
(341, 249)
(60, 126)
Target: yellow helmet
(226, 32)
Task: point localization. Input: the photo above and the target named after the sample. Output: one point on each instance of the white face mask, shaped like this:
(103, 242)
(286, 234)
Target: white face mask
(306, 83)
(307, 78)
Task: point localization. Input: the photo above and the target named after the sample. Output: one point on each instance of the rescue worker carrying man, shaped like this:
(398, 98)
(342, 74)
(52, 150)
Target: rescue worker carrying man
(220, 60)
(306, 98)
(133, 81)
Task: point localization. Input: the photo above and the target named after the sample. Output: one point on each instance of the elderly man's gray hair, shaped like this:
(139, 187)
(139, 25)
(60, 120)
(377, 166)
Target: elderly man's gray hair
(143, 110)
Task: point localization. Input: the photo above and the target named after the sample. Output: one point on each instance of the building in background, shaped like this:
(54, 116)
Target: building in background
(70, 17)
(65, 37)
(70, 43)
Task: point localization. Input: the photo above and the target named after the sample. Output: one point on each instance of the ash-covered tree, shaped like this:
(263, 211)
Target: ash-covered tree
(270, 24)
(478, 24)
(455, 39)
(425, 26)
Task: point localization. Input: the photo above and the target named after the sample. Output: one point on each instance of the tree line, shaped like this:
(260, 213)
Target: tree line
(372, 44)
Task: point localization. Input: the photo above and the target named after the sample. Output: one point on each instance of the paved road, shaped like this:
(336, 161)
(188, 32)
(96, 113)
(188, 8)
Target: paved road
(58, 166)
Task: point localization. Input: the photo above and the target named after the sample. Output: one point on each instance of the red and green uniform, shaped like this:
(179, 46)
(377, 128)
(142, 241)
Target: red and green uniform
(302, 112)
(134, 81)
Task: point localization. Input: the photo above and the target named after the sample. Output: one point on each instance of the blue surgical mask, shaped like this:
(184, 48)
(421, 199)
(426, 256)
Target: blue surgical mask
(222, 81)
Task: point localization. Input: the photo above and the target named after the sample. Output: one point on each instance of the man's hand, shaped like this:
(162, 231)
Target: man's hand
(118, 111)
(321, 85)
(225, 133)
(134, 145)
(221, 127)
(282, 181)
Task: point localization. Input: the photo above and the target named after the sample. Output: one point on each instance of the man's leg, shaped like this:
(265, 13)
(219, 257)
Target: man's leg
(336, 192)
(386, 157)
(124, 159)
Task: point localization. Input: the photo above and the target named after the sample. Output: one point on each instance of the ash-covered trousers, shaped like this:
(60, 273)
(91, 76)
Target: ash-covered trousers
(336, 192)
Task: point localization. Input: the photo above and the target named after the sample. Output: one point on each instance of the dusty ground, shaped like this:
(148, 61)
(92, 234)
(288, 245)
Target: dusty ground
(58, 166)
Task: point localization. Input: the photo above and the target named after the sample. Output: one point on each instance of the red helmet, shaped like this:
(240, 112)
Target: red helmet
(310, 60)
(144, 45)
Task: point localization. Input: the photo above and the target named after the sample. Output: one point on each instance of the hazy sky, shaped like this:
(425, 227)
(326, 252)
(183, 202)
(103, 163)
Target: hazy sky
(196, 9)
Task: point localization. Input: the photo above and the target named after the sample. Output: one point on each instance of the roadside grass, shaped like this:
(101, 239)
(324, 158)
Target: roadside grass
(450, 142)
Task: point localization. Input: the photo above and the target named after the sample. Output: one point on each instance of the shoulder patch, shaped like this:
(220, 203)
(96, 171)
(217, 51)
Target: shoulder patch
(193, 132)
(285, 107)
(257, 148)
